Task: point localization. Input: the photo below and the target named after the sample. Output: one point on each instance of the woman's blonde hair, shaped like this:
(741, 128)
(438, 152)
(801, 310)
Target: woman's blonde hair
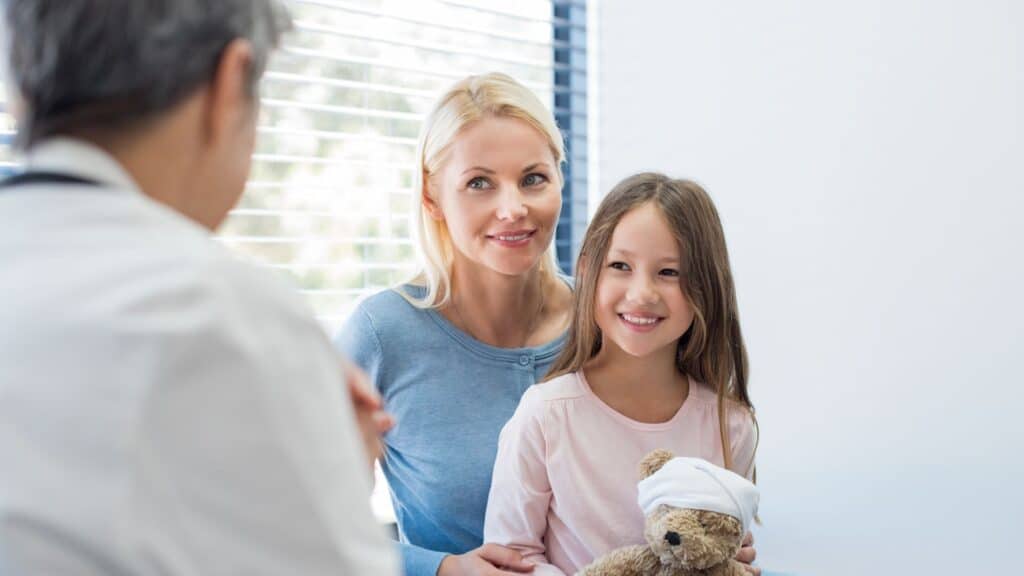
(711, 350)
(468, 101)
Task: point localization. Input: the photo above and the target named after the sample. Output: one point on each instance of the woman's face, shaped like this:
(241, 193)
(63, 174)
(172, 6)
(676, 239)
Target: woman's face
(499, 194)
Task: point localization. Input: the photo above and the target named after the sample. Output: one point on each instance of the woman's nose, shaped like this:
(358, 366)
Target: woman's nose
(511, 205)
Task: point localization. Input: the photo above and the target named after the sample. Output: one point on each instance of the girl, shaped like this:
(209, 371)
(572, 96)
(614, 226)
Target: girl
(654, 359)
(453, 351)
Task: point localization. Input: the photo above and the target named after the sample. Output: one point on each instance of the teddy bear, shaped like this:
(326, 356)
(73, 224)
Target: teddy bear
(696, 516)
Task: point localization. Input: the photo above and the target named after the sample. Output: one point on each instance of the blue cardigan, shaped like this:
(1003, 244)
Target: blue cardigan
(451, 395)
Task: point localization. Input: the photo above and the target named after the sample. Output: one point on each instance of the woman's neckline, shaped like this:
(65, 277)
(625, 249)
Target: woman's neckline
(539, 352)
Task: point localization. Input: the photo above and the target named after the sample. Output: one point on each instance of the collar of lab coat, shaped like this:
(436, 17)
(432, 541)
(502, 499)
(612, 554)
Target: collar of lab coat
(78, 158)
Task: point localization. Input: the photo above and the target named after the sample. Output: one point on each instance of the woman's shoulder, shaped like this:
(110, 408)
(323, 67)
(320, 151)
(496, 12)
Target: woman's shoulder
(383, 316)
(392, 305)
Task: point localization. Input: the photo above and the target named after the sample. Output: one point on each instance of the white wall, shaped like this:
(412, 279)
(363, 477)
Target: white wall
(868, 160)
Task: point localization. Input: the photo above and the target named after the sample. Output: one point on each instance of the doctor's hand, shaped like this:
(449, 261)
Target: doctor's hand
(747, 554)
(371, 418)
(487, 560)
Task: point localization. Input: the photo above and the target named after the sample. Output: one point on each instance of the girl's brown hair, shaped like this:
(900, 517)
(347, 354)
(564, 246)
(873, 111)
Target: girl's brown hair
(712, 350)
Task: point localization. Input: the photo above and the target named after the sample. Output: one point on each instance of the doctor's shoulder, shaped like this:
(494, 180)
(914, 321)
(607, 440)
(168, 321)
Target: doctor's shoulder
(200, 279)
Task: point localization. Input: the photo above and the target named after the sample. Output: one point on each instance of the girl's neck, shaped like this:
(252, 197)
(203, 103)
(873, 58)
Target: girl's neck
(496, 309)
(644, 388)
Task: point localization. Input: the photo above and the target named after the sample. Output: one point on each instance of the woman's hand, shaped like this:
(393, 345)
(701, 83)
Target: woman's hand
(371, 418)
(487, 560)
(747, 554)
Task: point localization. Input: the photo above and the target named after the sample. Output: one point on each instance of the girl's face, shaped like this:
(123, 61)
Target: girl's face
(499, 193)
(640, 306)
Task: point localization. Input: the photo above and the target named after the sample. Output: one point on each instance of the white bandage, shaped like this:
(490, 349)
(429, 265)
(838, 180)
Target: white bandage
(699, 485)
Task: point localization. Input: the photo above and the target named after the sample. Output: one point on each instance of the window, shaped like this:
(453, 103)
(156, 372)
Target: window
(8, 164)
(329, 199)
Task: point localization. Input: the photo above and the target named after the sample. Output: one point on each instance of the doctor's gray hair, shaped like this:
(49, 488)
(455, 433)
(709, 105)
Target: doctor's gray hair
(83, 65)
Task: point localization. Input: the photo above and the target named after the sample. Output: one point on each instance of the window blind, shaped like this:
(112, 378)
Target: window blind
(329, 199)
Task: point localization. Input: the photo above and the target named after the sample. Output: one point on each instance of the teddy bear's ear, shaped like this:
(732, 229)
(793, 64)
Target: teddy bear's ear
(654, 461)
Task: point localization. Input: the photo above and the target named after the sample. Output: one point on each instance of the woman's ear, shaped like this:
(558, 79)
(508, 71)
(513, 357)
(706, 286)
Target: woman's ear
(429, 203)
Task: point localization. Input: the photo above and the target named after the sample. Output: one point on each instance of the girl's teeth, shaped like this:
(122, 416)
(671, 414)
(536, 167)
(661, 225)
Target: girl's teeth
(639, 320)
(512, 238)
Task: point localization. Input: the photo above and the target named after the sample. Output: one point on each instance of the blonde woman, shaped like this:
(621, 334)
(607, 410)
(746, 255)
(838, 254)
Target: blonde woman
(452, 351)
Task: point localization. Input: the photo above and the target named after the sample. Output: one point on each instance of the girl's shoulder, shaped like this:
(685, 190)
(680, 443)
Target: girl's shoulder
(703, 394)
(542, 395)
(706, 396)
(566, 386)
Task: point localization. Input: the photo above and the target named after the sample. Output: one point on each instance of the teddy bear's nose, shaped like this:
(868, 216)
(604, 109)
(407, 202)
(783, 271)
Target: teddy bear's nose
(672, 538)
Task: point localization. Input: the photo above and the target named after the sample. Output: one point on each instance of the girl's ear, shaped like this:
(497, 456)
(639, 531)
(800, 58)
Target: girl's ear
(581, 265)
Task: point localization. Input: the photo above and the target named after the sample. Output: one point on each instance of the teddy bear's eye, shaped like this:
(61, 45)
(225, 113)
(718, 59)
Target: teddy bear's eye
(672, 538)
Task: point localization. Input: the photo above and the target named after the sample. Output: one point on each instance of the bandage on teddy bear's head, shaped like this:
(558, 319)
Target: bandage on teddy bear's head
(697, 513)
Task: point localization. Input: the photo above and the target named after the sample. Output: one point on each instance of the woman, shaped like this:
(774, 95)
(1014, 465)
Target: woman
(452, 351)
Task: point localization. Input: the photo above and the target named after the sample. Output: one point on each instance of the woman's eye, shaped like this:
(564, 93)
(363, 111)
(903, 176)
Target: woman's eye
(534, 180)
(619, 266)
(478, 183)
(670, 272)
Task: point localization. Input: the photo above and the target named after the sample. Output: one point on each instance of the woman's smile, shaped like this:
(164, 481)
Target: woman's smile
(512, 239)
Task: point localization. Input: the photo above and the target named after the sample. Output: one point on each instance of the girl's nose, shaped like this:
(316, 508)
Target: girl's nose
(641, 290)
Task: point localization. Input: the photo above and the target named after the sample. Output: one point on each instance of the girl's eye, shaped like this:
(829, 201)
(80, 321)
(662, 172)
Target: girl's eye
(534, 179)
(478, 183)
(670, 272)
(619, 266)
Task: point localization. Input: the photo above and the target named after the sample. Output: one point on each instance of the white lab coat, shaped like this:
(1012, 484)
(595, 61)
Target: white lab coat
(164, 408)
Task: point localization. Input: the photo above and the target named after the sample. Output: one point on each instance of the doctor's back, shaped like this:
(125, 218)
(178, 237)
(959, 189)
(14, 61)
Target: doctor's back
(164, 407)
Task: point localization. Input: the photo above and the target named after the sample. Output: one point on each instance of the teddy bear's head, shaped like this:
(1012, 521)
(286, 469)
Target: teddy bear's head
(678, 531)
(692, 538)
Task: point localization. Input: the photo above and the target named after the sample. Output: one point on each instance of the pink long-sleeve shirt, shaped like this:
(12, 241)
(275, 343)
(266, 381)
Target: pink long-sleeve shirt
(564, 489)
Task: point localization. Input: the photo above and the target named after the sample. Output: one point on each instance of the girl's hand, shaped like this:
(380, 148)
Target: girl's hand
(487, 560)
(747, 554)
(371, 418)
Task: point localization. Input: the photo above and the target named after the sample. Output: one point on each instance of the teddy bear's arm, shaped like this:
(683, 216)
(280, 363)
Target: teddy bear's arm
(626, 561)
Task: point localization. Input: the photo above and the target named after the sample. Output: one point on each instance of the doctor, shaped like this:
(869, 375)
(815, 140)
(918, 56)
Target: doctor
(164, 408)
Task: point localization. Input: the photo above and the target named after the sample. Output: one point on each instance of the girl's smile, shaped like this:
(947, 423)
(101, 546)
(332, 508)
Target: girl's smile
(640, 322)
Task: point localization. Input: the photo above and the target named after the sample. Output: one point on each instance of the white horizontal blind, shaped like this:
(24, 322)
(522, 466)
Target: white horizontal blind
(328, 202)
(329, 199)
